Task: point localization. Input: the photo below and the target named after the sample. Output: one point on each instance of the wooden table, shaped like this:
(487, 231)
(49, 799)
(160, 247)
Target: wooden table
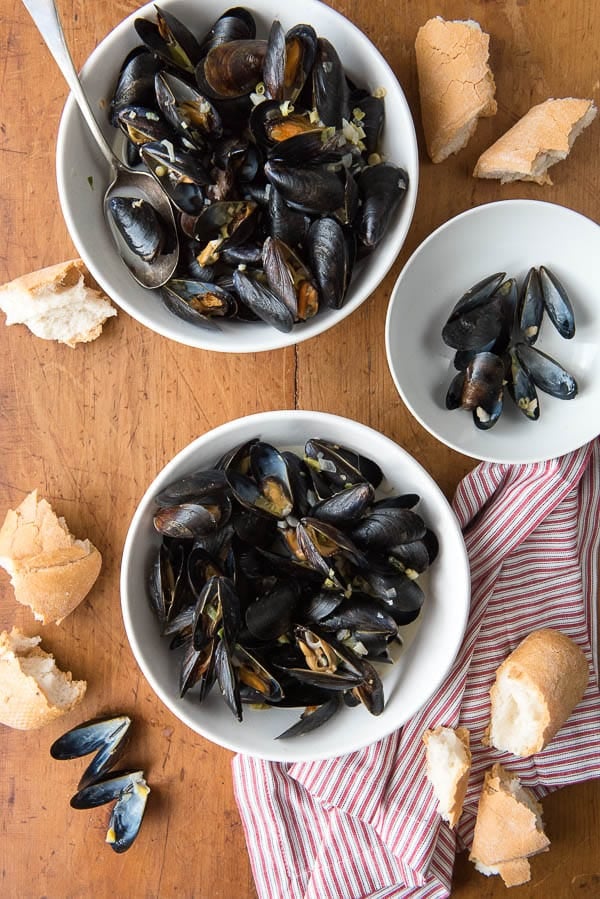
(91, 427)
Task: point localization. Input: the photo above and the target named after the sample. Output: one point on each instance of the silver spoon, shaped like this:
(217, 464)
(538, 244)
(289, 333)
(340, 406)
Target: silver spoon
(125, 181)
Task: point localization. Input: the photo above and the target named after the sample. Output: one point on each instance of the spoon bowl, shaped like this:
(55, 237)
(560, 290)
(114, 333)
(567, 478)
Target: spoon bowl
(124, 181)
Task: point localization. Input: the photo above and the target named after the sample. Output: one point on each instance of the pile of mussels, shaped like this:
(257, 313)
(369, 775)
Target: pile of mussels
(269, 155)
(493, 328)
(282, 578)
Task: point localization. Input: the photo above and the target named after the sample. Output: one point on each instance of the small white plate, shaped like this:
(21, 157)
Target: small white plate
(509, 236)
(431, 644)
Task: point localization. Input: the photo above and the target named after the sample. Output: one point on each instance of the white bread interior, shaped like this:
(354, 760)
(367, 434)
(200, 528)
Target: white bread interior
(61, 302)
(456, 84)
(508, 828)
(536, 688)
(513, 873)
(51, 571)
(543, 137)
(33, 691)
(448, 766)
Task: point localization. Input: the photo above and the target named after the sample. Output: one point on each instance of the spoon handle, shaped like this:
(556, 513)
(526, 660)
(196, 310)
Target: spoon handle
(45, 15)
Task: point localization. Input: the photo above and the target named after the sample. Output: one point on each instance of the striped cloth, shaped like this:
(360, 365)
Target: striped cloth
(365, 824)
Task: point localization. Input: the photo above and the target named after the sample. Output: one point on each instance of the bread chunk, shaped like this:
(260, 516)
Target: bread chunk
(33, 691)
(61, 302)
(51, 571)
(448, 767)
(456, 84)
(536, 688)
(543, 137)
(508, 829)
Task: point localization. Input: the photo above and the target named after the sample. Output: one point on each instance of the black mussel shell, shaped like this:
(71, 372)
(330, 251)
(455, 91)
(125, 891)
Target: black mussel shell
(269, 469)
(140, 226)
(546, 373)
(340, 465)
(142, 125)
(289, 278)
(346, 506)
(234, 68)
(478, 294)
(179, 173)
(236, 24)
(557, 303)
(483, 381)
(331, 94)
(531, 307)
(381, 188)
(193, 487)
(135, 84)
(384, 528)
(314, 190)
(330, 260)
(263, 302)
(370, 112)
(508, 294)
(106, 789)
(454, 393)
(474, 327)
(192, 519)
(169, 39)
(90, 736)
(191, 114)
(522, 389)
(127, 814)
(227, 679)
(289, 225)
(272, 615)
(312, 718)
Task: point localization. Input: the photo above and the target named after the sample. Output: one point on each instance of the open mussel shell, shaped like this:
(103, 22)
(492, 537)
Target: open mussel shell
(127, 814)
(267, 305)
(401, 596)
(170, 40)
(193, 519)
(227, 679)
(340, 465)
(108, 736)
(142, 125)
(483, 380)
(531, 307)
(252, 673)
(288, 60)
(105, 789)
(522, 389)
(311, 718)
(180, 174)
(546, 373)
(473, 327)
(370, 112)
(202, 301)
(135, 84)
(557, 303)
(290, 279)
(191, 114)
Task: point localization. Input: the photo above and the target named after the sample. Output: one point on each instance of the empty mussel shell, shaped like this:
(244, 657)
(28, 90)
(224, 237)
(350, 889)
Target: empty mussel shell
(107, 735)
(531, 307)
(557, 303)
(546, 372)
(522, 389)
(105, 789)
(127, 814)
(311, 718)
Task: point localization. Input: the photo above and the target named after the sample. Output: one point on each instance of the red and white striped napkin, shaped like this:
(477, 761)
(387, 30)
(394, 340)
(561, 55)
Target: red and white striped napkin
(365, 824)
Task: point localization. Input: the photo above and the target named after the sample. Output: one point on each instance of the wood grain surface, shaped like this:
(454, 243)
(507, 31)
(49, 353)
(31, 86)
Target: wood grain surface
(91, 427)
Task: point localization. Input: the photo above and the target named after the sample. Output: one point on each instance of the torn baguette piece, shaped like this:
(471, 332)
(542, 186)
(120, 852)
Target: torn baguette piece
(33, 691)
(448, 766)
(508, 828)
(51, 571)
(456, 84)
(536, 688)
(62, 302)
(543, 137)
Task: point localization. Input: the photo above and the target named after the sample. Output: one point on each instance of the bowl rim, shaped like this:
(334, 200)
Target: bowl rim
(481, 208)
(200, 338)
(186, 454)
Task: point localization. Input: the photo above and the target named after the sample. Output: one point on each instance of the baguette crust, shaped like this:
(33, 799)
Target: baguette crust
(508, 826)
(51, 571)
(450, 808)
(33, 691)
(552, 672)
(543, 137)
(456, 84)
(61, 302)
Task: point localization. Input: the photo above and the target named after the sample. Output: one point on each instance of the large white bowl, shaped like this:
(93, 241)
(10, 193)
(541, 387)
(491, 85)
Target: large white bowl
(82, 173)
(431, 643)
(509, 236)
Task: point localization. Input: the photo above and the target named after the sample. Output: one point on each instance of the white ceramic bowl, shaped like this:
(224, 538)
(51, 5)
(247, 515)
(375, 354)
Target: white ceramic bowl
(509, 236)
(431, 642)
(82, 173)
